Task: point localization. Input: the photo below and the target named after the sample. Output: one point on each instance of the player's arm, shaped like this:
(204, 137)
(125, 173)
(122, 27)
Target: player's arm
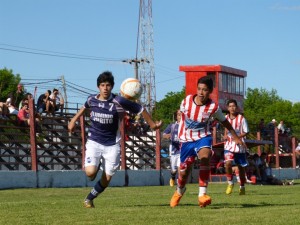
(219, 116)
(236, 138)
(71, 124)
(166, 136)
(154, 125)
(167, 132)
(225, 134)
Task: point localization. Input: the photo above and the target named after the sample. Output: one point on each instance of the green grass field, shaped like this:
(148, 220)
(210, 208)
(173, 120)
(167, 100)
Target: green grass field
(150, 205)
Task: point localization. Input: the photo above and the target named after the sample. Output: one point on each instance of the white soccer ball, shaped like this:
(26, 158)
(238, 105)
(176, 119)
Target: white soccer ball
(131, 88)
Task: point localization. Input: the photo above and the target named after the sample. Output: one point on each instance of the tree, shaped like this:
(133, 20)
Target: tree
(165, 108)
(262, 104)
(8, 83)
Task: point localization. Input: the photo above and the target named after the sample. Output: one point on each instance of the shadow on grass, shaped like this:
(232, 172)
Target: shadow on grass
(212, 206)
(246, 205)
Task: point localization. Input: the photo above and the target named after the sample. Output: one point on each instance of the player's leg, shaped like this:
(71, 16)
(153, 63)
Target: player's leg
(241, 160)
(173, 170)
(229, 157)
(204, 154)
(183, 173)
(110, 161)
(92, 160)
(187, 159)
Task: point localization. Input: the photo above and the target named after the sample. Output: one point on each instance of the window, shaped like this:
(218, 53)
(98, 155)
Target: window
(231, 83)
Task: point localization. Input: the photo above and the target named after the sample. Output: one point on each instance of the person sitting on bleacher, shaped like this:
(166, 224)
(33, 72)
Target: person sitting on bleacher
(44, 104)
(12, 109)
(3, 111)
(23, 115)
(56, 101)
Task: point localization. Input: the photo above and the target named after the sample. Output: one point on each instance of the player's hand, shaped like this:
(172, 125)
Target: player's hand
(71, 126)
(239, 142)
(157, 125)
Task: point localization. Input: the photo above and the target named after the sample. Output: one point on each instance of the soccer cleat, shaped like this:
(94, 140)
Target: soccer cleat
(204, 200)
(176, 198)
(88, 203)
(242, 191)
(229, 189)
(172, 182)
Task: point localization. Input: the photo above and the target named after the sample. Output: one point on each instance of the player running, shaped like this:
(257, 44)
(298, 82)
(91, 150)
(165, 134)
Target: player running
(103, 142)
(171, 133)
(195, 137)
(233, 152)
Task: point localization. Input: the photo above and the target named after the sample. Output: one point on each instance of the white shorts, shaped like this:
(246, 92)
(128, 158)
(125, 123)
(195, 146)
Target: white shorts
(108, 155)
(175, 162)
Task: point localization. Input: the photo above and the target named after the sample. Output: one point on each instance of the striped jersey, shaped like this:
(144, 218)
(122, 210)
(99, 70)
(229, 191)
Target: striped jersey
(105, 117)
(239, 124)
(196, 119)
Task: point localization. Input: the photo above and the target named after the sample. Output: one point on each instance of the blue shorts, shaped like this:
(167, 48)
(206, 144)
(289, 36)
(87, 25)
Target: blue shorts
(190, 149)
(237, 158)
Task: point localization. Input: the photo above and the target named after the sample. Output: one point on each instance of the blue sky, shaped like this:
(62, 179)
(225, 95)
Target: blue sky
(259, 36)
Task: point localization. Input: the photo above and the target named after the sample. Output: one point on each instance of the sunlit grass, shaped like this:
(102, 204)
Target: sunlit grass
(150, 205)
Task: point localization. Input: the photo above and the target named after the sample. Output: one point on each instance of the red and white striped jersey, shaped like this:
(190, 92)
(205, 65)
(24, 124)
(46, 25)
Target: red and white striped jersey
(196, 120)
(239, 124)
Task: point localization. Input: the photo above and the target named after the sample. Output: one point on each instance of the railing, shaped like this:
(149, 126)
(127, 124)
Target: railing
(54, 148)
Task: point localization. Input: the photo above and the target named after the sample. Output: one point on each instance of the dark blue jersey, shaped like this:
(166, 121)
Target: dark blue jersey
(106, 116)
(174, 145)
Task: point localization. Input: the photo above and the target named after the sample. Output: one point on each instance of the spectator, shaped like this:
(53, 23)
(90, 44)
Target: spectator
(3, 111)
(43, 103)
(12, 109)
(262, 128)
(23, 115)
(297, 152)
(251, 168)
(24, 120)
(56, 100)
(263, 166)
(25, 99)
(281, 127)
(18, 96)
(270, 179)
(271, 129)
(220, 168)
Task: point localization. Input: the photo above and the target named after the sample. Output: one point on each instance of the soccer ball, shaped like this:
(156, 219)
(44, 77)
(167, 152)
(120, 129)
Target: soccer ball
(131, 89)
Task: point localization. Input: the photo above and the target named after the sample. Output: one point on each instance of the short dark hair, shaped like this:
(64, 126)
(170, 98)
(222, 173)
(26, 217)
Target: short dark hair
(231, 101)
(207, 81)
(175, 114)
(106, 77)
(49, 92)
(54, 89)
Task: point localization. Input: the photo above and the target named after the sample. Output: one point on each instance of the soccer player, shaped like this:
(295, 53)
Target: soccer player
(171, 132)
(197, 112)
(233, 152)
(103, 142)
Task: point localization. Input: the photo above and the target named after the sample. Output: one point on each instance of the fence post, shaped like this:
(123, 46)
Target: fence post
(123, 152)
(32, 127)
(276, 146)
(293, 152)
(158, 148)
(258, 147)
(82, 128)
